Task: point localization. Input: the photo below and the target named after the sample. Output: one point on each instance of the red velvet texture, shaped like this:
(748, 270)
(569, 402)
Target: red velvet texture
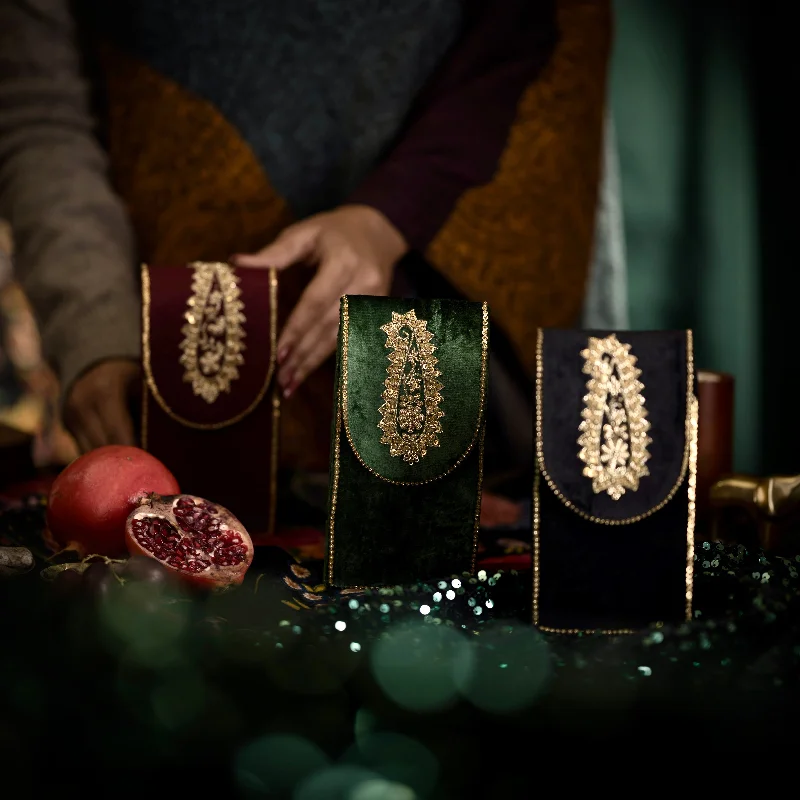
(225, 450)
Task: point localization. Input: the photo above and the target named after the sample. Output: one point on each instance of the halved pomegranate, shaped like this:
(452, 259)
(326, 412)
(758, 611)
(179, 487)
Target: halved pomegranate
(200, 541)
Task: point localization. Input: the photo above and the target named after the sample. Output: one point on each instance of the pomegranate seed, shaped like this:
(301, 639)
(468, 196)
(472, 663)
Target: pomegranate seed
(194, 565)
(228, 557)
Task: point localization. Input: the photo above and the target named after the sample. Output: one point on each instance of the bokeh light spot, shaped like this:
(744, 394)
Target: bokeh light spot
(275, 765)
(402, 761)
(415, 663)
(145, 623)
(380, 789)
(341, 782)
(178, 701)
(524, 658)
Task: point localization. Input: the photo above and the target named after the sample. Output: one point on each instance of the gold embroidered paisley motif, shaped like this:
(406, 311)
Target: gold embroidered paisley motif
(213, 333)
(614, 429)
(410, 412)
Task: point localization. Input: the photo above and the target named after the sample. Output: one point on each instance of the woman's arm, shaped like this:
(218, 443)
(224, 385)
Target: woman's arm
(74, 252)
(452, 142)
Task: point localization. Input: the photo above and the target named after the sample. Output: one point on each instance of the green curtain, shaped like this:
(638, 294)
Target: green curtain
(689, 177)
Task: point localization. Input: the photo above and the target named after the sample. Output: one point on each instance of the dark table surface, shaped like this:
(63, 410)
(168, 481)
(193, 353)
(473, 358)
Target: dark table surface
(264, 692)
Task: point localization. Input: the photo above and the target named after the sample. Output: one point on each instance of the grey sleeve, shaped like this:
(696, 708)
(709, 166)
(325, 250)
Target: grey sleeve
(74, 252)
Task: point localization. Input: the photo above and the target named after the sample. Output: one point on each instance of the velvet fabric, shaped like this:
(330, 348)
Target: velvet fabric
(456, 325)
(231, 464)
(381, 532)
(590, 574)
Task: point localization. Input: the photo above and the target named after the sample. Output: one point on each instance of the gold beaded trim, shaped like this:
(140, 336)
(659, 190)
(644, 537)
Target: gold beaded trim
(341, 413)
(689, 464)
(477, 525)
(334, 491)
(274, 453)
(150, 383)
(343, 392)
(410, 414)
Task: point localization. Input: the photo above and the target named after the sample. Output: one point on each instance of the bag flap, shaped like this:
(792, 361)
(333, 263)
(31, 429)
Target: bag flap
(614, 419)
(208, 340)
(412, 383)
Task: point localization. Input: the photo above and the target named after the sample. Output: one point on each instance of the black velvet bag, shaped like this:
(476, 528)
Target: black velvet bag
(615, 480)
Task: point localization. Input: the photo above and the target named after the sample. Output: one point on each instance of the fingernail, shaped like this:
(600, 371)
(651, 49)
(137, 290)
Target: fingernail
(285, 378)
(282, 353)
(287, 392)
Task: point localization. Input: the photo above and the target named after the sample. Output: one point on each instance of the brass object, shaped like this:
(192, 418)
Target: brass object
(214, 329)
(410, 412)
(772, 503)
(614, 429)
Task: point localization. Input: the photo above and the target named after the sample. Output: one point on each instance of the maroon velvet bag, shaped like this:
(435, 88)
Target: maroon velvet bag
(210, 406)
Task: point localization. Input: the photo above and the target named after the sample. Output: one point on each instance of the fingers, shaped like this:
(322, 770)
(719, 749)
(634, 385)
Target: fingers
(354, 252)
(88, 430)
(116, 421)
(294, 245)
(96, 412)
(107, 422)
(310, 352)
(318, 304)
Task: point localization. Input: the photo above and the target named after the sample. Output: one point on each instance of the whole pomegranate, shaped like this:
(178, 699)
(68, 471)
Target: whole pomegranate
(91, 499)
(203, 543)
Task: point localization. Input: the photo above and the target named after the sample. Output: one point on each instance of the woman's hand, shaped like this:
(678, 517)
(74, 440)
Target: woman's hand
(96, 408)
(354, 249)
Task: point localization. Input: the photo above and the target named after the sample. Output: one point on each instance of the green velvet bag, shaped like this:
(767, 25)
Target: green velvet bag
(407, 443)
